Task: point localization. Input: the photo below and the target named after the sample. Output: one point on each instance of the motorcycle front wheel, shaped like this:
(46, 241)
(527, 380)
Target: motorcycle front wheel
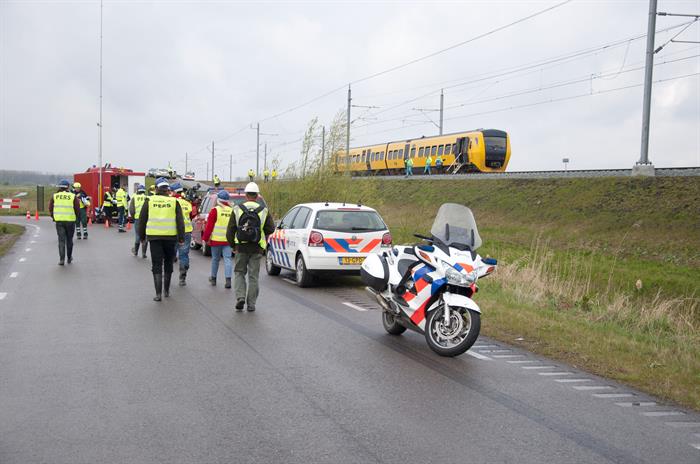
(454, 337)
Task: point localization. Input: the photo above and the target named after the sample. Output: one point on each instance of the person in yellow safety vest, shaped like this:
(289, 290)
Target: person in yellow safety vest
(266, 174)
(108, 206)
(135, 206)
(64, 208)
(274, 174)
(217, 181)
(251, 175)
(160, 222)
(122, 204)
(247, 232)
(188, 214)
(214, 236)
(81, 220)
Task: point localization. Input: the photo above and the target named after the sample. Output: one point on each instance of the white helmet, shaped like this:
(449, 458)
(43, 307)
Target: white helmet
(252, 187)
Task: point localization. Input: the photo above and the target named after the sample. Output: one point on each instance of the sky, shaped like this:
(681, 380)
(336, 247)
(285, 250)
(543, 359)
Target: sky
(178, 75)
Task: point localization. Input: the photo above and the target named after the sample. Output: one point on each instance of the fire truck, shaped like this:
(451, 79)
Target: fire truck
(111, 177)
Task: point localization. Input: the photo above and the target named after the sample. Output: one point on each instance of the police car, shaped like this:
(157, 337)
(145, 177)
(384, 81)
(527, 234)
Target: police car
(317, 238)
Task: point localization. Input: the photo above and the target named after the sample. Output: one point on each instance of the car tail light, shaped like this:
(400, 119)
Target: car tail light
(315, 239)
(386, 239)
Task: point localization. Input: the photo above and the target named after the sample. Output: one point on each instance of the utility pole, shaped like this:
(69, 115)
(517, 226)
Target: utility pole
(442, 107)
(230, 168)
(265, 158)
(186, 163)
(212, 160)
(99, 124)
(208, 171)
(323, 145)
(347, 135)
(643, 166)
(257, 152)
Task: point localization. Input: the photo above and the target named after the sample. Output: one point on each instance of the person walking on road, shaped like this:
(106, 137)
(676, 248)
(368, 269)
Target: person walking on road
(135, 206)
(81, 220)
(188, 214)
(428, 163)
(64, 208)
(215, 236)
(121, 197)
(247, 232)
(160, 222)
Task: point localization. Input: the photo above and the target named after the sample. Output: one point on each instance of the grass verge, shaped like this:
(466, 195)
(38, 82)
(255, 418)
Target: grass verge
(9, 233)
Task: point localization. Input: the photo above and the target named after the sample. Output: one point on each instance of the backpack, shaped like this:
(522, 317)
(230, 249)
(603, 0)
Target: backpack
(249, 227)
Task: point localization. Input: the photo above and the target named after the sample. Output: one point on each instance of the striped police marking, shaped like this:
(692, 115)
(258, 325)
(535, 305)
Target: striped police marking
(2, 295)
(637, 404)
(613, 395)
(354, 306)
(593, 387)
(662, 413)
(478, 355)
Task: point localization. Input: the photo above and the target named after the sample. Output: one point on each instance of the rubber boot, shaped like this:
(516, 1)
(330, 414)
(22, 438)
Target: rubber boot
(183, 277)
(212, 281)
(158, 283)
(135, 251)
(166, 284)
(228, 282)
(144, 249)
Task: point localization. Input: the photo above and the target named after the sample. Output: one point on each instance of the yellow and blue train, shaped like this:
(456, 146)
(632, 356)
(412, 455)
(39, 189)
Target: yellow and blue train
(481, 150)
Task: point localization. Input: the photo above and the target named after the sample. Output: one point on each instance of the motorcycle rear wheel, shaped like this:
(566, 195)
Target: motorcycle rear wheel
(436, 333)
(391, 325)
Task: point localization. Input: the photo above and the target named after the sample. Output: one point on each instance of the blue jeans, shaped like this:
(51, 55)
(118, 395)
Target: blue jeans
(427, 169)
(183, 252)
(409, 170)
(122, 216)
(137, 239)
(216, 253)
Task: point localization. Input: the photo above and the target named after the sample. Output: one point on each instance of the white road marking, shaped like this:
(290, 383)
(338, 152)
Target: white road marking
(27, 249)
(695, 445)
(554, 373)
(354, 306)
(679, 425)
(637, 404)
(33, 241)
(494, 351)
(289, 280)
(522, 361)
(538, 367)
(478, 355)
(613, 395)
(662, 413)
(593, 387)
(572, 380)
(21, 260)
(14, 275)
(502, 356)
(478, 347)
(2, 295)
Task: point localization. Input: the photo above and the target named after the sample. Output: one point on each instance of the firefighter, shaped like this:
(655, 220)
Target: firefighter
(188, 214)
(135, 205)
(121, 197)
(160, 222)
(251, 175)
(215, 236)
(64, 208)
(81, 219)
(108, 204)
(247, 232)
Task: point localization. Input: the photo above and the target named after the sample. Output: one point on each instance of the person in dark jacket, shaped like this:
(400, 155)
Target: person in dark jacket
(161, 223)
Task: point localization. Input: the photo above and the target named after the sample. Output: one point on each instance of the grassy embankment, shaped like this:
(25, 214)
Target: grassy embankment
(601, 273)
(27, 202)
(9, 233)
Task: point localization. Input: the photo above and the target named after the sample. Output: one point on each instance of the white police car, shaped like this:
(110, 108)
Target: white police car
(317, 238)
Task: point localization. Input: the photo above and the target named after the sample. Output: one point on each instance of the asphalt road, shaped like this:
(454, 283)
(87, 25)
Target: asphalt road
(93, 371)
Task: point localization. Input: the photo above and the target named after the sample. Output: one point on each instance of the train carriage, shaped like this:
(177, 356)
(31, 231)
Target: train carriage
(482, 150)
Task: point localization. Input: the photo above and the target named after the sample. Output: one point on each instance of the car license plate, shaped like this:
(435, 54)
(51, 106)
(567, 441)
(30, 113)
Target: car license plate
(351, 260)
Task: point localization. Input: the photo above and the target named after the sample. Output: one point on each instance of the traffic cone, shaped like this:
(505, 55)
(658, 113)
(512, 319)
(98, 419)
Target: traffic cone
(89, 220)
(29, 216)
(128, 225)
(36, 216)
(106, 223)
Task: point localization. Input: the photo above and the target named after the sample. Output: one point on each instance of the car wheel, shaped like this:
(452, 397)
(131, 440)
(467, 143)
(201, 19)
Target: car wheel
(194, 245)
(270, 266)
(304, 277)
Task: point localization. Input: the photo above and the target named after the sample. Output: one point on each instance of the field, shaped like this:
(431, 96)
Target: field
(27, 202)
(601, 273)
(9, 233)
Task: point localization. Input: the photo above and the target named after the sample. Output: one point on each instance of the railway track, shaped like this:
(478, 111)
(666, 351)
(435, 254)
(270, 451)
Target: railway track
(659, 172)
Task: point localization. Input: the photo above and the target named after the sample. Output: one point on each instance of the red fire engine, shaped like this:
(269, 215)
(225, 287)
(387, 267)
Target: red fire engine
(111, 177)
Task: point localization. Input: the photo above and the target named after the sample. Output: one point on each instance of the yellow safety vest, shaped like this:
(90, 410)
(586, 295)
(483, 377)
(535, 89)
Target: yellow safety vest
(186, 207)
(108, 200)
(139, 200)
(63, 207)
(274, 174)
(161, 216)
(223, 215)
(80, 203)
(251, 173)
(251, 205)
(121, 197)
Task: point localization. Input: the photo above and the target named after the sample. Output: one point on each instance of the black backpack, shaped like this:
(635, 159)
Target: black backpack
(249, 227)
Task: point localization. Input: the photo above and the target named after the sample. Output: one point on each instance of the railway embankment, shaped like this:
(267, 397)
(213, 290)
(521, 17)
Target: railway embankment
(603, 273)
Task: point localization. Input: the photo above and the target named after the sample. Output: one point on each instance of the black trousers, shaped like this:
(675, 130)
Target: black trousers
(65, 230)
(162, 256)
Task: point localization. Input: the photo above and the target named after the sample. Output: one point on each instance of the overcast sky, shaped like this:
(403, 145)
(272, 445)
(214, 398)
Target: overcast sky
(178, 75)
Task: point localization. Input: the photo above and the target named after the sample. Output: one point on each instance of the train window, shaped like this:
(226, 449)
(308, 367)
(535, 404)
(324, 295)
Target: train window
(381, 156)
(448, 149)
(454, 149)
(390, 155)
(440, 149)
(433, 151)
(401, 153)
(420, 152)
(413, 152)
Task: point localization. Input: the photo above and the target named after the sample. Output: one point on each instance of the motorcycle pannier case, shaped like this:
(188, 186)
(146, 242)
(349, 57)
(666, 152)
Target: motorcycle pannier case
(375, 272)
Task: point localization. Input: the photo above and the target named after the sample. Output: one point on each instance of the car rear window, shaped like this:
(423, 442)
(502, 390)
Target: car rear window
(348, 221)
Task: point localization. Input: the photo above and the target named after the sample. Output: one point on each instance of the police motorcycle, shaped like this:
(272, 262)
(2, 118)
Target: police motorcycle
(428, 287)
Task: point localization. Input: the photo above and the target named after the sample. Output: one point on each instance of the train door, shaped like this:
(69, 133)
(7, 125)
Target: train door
(462, 150)
(368, 161)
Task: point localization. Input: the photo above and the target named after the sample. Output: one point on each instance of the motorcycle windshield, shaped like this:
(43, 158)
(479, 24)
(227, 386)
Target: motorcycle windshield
(455, 225)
